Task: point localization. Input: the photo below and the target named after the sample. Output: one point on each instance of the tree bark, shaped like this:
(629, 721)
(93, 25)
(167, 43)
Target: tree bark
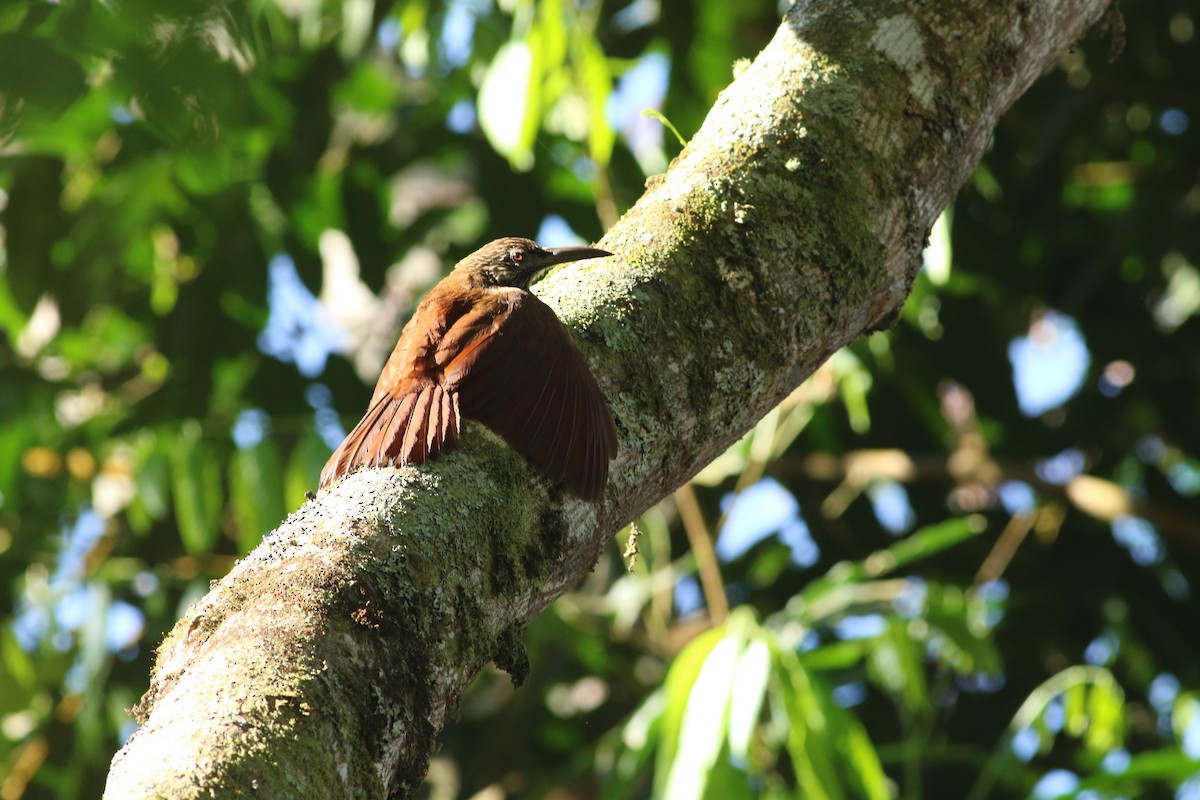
(327, 661)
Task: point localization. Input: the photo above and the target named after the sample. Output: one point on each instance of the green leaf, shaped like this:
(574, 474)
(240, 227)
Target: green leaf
(38, 82)
(724, 781)
(19, 671)
(678, 688)
(854, 384)
(152, 479)
(837, 655)
(13, 440)
(1172, 767)
(551, 36)
(304, 468)
(896, 664)
(509, 104)
(642, 726)
(926, 542)
(596, 79)
(923, 543)
(630, 758)
(356, 27)
(964, 643)
(13, 14)
(806, 728)
(1093, 701)
(1075, 718)
(829, 748)
(319, 208)
(865, 769)
(369, 89)
(196, 484)
(1106, 708)
(256, 477)
(702, 732)
(92, 656)
(749, 689)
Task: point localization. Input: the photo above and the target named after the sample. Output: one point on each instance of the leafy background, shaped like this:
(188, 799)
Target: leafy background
(957, 562)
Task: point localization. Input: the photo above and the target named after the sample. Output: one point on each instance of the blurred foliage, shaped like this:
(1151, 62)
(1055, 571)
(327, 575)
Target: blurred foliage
(958, 562)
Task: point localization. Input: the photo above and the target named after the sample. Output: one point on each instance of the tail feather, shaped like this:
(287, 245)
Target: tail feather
(395, 431)
(350, 452)
(412, 451)
(450, 418)
(407, 429)
(436, 432)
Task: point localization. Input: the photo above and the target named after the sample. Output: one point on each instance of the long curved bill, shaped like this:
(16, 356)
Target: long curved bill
(574, 253)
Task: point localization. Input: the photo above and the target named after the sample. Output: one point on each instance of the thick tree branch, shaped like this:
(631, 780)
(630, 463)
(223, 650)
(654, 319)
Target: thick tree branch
(327, 661)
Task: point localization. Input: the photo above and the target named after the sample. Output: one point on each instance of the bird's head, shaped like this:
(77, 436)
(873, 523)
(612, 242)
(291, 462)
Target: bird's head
(513, 261)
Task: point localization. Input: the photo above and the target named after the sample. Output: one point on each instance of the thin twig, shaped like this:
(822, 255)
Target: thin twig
(702, 548)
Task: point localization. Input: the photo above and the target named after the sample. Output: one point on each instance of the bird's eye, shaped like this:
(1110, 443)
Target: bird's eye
(517, 257)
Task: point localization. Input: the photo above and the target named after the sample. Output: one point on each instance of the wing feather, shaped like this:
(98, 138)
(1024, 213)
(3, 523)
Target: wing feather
(523, 377)
(539, 409)
(398, 430)
(450, 410)
(498, 356)
(413, 451)
(390, 441)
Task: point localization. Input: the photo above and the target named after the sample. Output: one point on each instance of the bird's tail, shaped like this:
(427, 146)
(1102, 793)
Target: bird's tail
(397, 430)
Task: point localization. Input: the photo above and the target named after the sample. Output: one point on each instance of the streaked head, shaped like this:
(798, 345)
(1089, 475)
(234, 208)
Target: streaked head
(513, 261)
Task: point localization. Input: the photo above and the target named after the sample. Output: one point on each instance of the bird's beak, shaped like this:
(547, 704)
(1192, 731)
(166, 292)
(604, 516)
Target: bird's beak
(561, 255)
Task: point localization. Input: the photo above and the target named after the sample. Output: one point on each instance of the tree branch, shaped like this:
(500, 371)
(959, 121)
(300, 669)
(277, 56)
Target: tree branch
(328, 660)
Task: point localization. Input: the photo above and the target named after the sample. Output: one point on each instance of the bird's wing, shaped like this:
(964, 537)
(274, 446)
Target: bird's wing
(412, 417)
(518, 372)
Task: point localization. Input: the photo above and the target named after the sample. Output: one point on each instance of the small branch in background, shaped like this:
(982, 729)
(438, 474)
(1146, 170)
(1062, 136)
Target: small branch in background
(1099, 498)
(700, 540)
(22, 765)
(1005, 548)
(606, 202)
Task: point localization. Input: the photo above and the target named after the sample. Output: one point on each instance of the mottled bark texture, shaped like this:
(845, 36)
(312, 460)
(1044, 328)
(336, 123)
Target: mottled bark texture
(327, 661)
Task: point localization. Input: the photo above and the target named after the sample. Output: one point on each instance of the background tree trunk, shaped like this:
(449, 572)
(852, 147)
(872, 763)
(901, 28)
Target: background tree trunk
(328, 660)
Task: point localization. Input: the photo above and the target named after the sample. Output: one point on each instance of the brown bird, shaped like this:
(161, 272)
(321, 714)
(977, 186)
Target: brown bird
(482, 346)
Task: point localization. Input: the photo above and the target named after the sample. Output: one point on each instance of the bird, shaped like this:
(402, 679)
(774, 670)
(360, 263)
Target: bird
(481, 346)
